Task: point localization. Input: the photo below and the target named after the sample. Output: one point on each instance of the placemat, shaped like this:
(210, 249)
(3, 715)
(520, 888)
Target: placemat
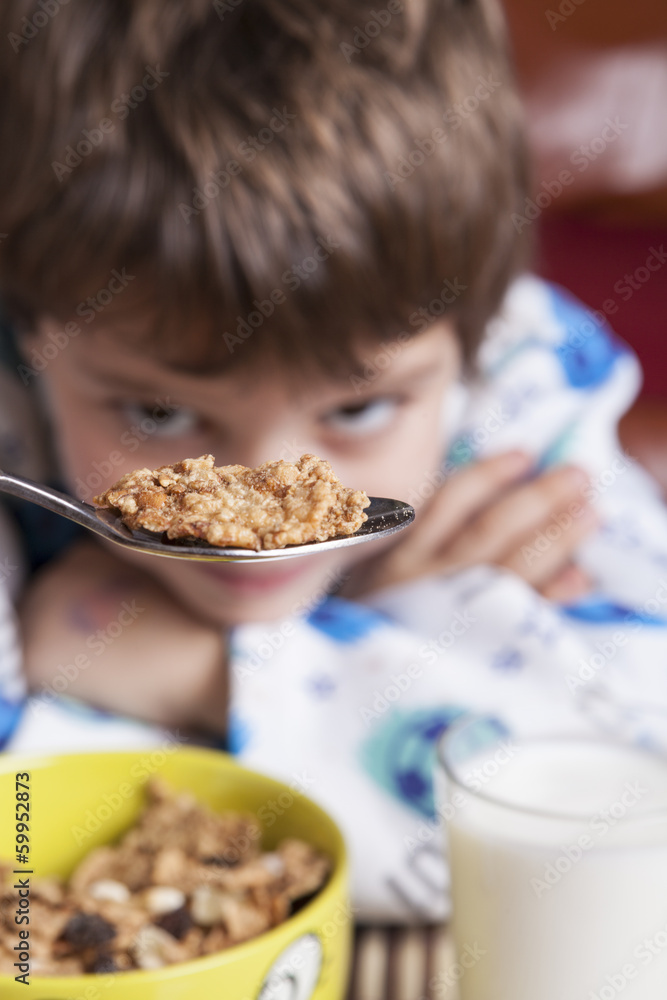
(397, 963)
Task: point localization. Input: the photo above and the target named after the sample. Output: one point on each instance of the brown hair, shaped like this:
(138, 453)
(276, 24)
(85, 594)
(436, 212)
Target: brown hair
(211, 148)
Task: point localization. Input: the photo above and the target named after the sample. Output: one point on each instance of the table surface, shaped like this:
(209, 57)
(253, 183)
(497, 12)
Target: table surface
(398, 963)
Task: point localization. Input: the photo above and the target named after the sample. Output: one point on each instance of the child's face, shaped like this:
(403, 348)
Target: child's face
(115, 409)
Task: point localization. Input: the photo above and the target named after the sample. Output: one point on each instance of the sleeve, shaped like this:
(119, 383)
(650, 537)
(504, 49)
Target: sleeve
(12, 685)
(554, 380)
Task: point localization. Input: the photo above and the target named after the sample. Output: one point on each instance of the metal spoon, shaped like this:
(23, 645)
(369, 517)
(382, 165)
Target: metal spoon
(384, 518)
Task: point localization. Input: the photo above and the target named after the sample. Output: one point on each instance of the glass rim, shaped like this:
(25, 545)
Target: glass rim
(658, 812)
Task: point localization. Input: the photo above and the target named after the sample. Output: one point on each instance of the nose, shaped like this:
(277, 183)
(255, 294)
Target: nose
(253, 450)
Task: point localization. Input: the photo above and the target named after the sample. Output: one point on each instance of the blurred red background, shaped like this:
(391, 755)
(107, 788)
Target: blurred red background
(594, 78)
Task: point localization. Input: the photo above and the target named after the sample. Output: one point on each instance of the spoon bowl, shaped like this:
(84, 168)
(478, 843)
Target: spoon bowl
(384, 517)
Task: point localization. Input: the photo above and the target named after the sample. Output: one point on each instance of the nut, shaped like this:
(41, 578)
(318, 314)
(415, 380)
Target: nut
(160, 899)
(205, 907)
(152, 947)
(109, 889)
(273, 863)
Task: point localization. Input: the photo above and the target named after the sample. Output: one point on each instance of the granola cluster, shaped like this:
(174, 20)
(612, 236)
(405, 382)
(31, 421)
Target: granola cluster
(183, 882)
(277, 504)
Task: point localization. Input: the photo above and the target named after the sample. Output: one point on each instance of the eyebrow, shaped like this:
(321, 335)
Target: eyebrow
(420, 373)
(119, 382)
(382, 381)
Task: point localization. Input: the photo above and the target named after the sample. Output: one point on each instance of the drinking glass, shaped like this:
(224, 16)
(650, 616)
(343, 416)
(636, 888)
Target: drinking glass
(558, 855)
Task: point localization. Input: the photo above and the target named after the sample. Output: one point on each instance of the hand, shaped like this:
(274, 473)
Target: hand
(488, 513)
(106, 633)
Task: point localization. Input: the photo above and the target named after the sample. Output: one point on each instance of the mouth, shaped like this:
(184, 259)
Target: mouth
(253, 579)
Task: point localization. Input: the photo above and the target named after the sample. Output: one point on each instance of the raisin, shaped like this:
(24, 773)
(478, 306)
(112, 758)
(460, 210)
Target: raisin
(221, 860)
(301, 901)
(103, 963)
(85, 930)
(177, 923)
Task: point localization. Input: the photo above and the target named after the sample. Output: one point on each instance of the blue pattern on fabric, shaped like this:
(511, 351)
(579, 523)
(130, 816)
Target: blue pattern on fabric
(343, 621)
(400, 754)
(508, 660)
(10, 713)
(589, 350)
(559, 449)
(239, 733)
(600, 611)
(321, 686)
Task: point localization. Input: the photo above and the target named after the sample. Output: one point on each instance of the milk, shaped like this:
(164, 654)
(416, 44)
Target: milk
(561, 893)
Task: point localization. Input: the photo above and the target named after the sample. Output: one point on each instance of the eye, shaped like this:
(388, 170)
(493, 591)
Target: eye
(160, 420)
(363, 418)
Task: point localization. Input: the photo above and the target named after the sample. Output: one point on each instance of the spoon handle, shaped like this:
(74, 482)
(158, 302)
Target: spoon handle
(53, 500)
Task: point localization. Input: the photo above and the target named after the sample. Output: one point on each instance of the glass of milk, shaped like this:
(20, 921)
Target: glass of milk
(558, 857)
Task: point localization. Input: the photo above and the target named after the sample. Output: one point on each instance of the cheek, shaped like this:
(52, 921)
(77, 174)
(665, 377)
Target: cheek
(95, 448)
(89, 453)
(398, 466)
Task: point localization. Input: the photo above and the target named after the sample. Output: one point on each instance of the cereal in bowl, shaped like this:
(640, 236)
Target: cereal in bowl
(183, 882)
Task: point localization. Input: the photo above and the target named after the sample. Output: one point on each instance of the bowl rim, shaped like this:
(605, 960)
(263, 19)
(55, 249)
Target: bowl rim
(303, 922)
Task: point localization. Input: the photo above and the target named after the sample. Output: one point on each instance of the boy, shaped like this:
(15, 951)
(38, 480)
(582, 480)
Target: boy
(283, 228)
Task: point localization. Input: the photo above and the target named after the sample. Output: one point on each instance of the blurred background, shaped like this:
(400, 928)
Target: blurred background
(594, 79)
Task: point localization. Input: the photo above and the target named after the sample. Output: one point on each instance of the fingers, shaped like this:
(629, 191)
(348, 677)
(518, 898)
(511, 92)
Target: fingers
(567, 586)
(423, 548)
(543, 558)
(520, 515)
(487, 513)
(464, 495)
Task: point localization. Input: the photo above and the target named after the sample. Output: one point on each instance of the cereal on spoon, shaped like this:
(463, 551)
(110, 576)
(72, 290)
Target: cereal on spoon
(277, 504)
